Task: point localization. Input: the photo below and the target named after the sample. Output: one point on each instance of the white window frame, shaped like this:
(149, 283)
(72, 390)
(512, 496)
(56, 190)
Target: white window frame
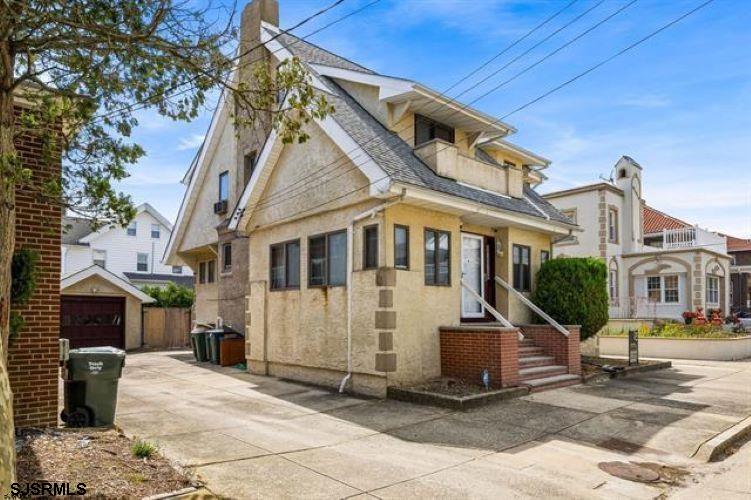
(138, 257)
(663, 289)
(613, 225)
(133, 226)
(177, 269)
(102, 252)
(158, 231)
(713, 290)
(613, 286)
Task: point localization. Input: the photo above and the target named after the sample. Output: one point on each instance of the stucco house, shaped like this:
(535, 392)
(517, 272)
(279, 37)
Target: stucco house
(740, 273)
(133, 253)
(406, 218)
(658, 266)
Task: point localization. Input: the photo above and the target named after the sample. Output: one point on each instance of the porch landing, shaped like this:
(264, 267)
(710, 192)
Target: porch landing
(543, 359)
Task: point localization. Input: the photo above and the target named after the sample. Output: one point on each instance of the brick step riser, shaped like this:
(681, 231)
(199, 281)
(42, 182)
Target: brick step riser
(531, 351)
(552, 373)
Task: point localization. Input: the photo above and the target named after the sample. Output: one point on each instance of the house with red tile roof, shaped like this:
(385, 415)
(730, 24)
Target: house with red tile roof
(658, 265)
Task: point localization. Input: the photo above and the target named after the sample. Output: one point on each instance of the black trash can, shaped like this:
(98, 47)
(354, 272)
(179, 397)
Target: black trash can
(91, 386)
(213, 338)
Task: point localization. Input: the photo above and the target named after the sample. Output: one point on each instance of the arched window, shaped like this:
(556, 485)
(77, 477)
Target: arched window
(613, 283)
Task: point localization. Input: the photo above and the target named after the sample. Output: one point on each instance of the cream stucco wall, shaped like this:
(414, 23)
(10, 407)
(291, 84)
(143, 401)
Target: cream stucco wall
(96, 286)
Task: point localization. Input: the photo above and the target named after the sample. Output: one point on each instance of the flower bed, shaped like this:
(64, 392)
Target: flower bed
(676, 330)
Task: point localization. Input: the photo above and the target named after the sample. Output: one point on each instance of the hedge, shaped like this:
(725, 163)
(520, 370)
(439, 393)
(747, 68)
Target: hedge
(574, 292)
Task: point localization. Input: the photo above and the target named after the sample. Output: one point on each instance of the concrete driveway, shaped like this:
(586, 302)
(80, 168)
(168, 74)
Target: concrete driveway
(249, 436)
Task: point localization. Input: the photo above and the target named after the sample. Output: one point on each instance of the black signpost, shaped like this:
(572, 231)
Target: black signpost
(633, 347)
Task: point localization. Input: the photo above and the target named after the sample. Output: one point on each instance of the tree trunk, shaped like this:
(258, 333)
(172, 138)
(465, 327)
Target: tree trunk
(7, 244)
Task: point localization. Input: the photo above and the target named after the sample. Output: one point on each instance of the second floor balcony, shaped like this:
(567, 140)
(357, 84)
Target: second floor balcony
(687, 238)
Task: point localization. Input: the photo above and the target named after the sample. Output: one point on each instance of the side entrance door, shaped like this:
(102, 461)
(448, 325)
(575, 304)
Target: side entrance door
(92, 321)
(473, 275)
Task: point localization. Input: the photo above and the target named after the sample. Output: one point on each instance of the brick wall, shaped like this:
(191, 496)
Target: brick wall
(565, 350)
(33, 357)
(467, 351)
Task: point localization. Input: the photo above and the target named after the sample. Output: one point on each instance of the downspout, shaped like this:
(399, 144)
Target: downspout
(350, 272)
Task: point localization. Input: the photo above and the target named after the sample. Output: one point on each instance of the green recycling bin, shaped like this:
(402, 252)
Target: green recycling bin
(91, 386)
(198, 341)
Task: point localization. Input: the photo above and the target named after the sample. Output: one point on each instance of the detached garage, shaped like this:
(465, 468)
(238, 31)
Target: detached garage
(97, 308)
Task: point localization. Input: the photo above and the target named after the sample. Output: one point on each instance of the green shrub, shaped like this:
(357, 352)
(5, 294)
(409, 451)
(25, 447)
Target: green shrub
(24, 273)
(171, 295)
(574, 292)
(142, 449)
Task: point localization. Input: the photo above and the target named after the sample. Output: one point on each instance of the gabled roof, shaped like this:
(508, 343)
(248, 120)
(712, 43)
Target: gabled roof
(655, 221)
(78, 231)
(738, 244)
(94, 270)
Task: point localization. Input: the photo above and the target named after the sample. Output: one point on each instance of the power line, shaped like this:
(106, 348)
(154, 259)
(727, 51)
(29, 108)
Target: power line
(462, 107)
(144, 102)
(591, 69)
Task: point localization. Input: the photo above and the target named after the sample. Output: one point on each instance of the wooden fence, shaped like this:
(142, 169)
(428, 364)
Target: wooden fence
(166, 326)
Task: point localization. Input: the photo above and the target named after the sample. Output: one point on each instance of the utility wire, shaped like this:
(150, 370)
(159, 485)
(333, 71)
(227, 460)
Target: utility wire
(537, 99)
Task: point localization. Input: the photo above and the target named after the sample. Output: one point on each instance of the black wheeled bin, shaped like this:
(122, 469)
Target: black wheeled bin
(213, 338)
(91, 386)
(198, 343)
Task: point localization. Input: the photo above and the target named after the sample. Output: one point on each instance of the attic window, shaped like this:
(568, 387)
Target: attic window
(622, 173)
(427, 130)
(249, 164)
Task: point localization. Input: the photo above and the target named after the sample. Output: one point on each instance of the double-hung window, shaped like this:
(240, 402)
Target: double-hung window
(663, 289)
(142, 262)
(613, 225)
(401, 247)
(285, 265)
(437, 257)
(100, 258)
(211, 271)
(131, 230)
(713, 290)
(224, 186)
(613, 286)
(155, 231)
(370, 247)
(327, 259)
(202, 273)
(522, 268)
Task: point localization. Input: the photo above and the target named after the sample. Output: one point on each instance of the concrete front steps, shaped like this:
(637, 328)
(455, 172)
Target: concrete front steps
(539, 371)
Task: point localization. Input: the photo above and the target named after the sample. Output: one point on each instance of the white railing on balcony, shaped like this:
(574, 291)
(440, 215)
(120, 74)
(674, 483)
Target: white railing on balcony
(690, 237)
(679, 238)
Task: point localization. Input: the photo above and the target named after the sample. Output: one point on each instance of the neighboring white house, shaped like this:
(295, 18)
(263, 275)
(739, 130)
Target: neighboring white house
(658, 266)
(133, 253)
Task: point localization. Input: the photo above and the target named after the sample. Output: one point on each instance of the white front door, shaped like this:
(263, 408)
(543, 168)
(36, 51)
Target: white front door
(472, 275)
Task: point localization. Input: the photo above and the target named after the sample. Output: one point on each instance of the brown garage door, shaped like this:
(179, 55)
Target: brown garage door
(92, 321)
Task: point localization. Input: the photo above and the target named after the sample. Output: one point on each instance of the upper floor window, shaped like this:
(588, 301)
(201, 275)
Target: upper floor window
(437, 257)
(131, 230)
(142, 262)
(224, 186)
(285, 265)
(327, 259)
(401, 247)
(177, 269)
(202, 273)
(613, 225)
(427, 130)
(155, 231)
(227, 258)
(249, 165)
(370, 247)
(100, 258)
(210, 271)
(522, 268)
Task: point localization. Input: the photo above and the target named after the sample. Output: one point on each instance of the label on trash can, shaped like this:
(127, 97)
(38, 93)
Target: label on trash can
(95, 367)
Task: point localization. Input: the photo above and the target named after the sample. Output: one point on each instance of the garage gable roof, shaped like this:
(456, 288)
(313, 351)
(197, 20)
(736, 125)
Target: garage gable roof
(94, 270)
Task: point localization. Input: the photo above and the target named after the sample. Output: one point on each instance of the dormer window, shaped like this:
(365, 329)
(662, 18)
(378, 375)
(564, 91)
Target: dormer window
(427, 130)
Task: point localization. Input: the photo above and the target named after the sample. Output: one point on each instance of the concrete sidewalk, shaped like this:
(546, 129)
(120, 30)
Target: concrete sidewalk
(252, 437)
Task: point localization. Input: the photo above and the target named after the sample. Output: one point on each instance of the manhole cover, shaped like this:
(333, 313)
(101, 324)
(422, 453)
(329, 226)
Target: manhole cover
(629, 471)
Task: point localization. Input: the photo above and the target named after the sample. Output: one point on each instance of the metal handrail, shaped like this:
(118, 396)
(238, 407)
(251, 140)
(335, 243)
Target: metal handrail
(532, 306)
(490, 308)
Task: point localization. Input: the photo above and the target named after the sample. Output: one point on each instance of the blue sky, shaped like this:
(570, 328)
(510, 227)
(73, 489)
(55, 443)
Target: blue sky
(680, 104)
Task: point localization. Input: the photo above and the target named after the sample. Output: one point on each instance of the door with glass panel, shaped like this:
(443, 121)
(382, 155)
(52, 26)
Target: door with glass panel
(472, 275)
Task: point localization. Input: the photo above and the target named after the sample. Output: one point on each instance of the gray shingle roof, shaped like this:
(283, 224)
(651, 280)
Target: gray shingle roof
(161, 278)
(395, 156)
(75, 228)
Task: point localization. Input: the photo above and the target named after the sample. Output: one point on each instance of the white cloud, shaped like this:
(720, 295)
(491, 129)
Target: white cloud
(193, 141)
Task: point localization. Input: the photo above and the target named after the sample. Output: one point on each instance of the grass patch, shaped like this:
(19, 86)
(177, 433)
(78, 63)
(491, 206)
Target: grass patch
(142, 449)
(679, 331)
